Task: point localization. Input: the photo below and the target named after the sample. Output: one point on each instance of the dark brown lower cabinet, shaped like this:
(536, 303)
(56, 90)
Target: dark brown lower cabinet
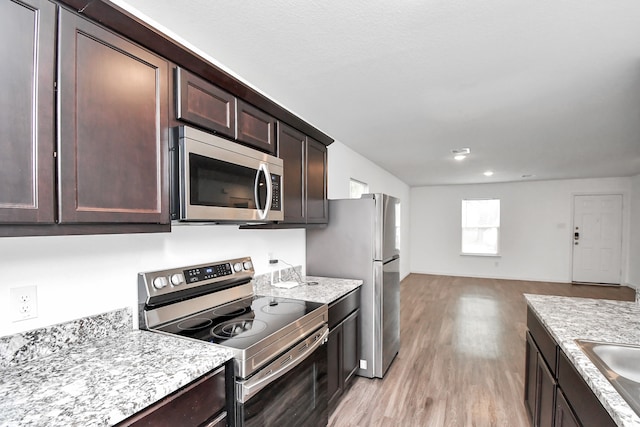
(343, 357)
(555, 394)
(540, 387)
(205, 402)
(587, 408)
(343, 346)
(334, 350)
(564, 414)
(530, 383)
(350, 332)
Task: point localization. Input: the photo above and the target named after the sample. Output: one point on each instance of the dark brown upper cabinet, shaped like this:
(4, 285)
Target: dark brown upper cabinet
(113, 127)
(305, 177)
(200, 103)
(256, 128)
(27, 136)
(316, 165)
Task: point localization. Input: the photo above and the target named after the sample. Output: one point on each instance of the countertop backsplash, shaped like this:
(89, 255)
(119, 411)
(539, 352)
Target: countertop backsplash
(25, 346)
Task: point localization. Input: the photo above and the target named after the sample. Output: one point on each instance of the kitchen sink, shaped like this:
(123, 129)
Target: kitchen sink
(620, 364)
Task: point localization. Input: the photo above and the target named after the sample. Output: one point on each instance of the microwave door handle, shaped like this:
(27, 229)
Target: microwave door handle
(262, 213)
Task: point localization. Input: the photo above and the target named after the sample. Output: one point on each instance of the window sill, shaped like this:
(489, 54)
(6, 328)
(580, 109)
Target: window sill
(481, 255)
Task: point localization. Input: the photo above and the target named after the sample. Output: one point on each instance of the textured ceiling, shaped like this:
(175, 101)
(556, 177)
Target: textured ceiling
(545, 88)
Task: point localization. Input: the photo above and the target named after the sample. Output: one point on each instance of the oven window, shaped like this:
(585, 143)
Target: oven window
(221, 184)
(299, 398)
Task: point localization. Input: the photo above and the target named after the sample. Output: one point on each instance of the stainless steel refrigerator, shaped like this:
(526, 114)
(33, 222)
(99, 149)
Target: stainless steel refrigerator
(362, 241)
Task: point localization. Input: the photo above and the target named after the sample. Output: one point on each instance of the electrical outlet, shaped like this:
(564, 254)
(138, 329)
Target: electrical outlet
(24, 303)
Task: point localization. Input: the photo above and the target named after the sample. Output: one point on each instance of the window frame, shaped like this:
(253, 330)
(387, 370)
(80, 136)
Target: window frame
(364, 187)
(497, 253)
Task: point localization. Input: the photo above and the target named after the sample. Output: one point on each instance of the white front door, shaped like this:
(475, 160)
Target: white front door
(597, 239)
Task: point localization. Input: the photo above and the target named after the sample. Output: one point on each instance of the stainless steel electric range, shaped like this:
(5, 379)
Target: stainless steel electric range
(279, 344)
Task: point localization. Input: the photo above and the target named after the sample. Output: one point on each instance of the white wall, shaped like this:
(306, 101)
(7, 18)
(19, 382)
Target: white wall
(344, 164)
(536, 221)
(634, 245)
(78, 276)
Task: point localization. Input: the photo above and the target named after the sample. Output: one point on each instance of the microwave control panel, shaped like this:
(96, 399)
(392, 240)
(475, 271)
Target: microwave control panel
(275, 197)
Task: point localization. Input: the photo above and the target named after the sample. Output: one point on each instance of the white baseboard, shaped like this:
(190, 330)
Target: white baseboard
(476, 276)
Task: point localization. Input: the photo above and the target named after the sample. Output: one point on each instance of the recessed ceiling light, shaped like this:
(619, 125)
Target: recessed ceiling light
(461, 151)
(488, 173)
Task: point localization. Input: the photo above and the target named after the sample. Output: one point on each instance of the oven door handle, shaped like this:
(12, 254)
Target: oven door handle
(247, 389)
(262, 213)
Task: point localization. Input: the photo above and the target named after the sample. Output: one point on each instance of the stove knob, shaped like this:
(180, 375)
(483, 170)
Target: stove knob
(237, 267)
(247, 265)
(160, 282)
(177, 279)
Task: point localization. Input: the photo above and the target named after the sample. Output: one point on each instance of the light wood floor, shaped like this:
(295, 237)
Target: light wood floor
(461, 359)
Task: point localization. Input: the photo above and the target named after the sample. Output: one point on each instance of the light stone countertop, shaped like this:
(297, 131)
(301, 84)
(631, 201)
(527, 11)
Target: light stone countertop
(97, 381)
(568, 319)
(326, 291)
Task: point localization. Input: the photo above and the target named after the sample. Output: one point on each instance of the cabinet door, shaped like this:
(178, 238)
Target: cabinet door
(334, 365)
(27, 29)
(316, 174)
(587, 407)
(530, 379)
(546, 395)
(203, 104)
(564, 414)
(199, 403)
(113, 127)
(350, 346)
(256, 128)
(291, 149)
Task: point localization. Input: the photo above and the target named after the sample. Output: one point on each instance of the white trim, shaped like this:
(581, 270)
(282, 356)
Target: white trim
(480, 276)
(498, 255)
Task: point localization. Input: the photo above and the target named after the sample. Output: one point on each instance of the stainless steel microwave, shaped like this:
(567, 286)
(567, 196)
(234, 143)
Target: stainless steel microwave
(217, 180)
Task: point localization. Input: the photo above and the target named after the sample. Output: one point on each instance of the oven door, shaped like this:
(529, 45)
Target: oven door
(291, 391)
(220, 180)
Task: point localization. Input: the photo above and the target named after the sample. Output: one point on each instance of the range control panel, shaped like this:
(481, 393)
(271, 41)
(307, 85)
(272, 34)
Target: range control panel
(209, 272)
(161, 283)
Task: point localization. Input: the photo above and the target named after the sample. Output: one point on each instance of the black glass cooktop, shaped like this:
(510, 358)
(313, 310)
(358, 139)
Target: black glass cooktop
(242, 323)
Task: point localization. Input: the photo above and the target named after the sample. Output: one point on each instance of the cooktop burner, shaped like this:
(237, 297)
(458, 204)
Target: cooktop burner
(240, 324)
(194, 324)
(230, 311)
(246, 328)
(283, 307)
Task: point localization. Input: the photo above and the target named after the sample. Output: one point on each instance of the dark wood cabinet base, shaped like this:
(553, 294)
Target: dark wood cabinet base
(555, 394)
(343, 346)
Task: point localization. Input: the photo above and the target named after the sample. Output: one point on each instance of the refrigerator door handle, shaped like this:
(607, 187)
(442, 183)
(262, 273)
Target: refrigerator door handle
(393, 258)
